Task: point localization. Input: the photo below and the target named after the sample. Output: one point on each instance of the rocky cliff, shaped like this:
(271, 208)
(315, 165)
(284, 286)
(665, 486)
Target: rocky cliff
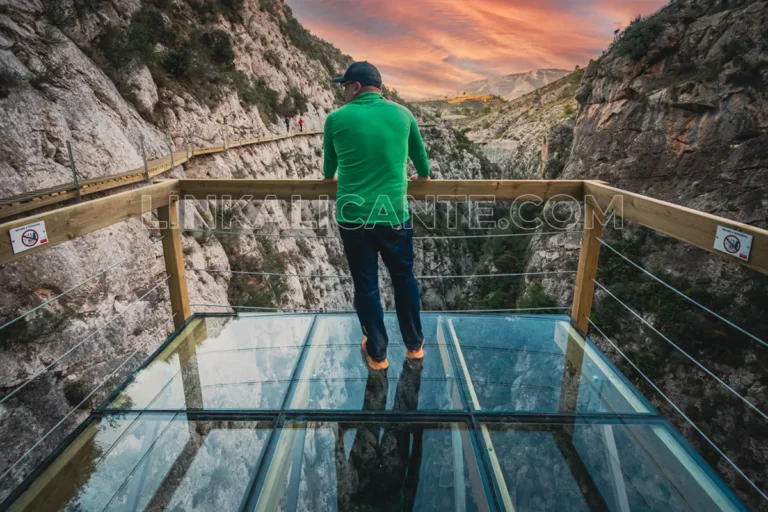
(523, 136)
(101, 75)
(677, 109)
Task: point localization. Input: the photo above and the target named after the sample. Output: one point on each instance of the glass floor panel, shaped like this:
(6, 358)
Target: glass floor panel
(603, 466)
(278, 412)
(152, 462)
(373, 466)
(333, 376)
(537, 364)
(220, 363)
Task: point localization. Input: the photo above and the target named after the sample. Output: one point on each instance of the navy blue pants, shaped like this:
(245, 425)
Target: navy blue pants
(363, 244)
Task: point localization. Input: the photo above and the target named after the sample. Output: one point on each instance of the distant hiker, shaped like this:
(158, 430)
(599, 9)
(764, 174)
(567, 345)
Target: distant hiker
(287, 124)
(369, 141)
(301, 124)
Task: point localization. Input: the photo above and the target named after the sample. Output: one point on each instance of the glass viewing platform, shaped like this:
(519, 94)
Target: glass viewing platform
(278, 412)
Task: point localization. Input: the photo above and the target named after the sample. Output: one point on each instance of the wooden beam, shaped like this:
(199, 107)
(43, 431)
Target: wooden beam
(501, 190)
(587, 270)
(31, 204)
(691, 226)
(60, 481)
(70, 222)
(174, 262)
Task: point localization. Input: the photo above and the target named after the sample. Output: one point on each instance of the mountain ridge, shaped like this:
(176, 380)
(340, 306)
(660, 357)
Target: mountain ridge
(514, 85)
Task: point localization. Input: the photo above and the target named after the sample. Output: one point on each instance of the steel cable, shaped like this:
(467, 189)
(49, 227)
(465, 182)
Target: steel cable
(80, 343)
(659, 391)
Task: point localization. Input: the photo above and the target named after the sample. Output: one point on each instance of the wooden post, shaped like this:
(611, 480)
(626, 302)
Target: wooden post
(74, 171)
(587, 271)
(174, 262)
(170, 148)
(144, 157)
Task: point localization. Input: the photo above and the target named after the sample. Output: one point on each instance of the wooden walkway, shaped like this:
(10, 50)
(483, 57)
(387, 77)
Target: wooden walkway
(64, 192)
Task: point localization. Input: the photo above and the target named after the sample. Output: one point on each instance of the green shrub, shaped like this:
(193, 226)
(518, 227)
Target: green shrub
(217, 45)
(268, 6)
(149, 25)
(178, 62)
(204, 63)
(638, 36)
(122, 46)
(208, 11)
(255, 297)
(57, 12)
(568, 110)
(256, 92)
(536, 297)
(113, 43)
(83, 6)
(315, 48)
(146, 30)
(294, 103)
(504, 255)
(232, 10)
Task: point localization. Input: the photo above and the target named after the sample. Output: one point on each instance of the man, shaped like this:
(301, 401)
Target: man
(301, 124)
(287, 124)
(369, 141)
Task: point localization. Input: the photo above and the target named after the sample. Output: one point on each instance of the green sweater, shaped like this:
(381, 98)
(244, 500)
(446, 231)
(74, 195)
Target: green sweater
(369, 140)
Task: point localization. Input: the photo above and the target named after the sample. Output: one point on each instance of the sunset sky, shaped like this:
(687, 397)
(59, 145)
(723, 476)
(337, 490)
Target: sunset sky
(432, 47)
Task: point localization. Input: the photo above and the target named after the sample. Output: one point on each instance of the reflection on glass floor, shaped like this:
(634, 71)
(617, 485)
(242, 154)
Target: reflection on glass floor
(380, 466)
(603, 466)
(152, 462)
(277, 412)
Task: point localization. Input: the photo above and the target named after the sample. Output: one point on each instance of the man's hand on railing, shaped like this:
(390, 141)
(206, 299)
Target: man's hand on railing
(416, 177)
(332, 180)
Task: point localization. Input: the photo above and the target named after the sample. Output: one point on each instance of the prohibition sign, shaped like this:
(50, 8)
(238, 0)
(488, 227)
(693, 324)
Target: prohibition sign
(732, 244)
(29, 238)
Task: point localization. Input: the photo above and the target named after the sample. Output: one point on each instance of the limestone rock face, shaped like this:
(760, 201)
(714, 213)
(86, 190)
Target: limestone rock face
(515, 136)
(686, 122)
(142, 88)
(56, 88)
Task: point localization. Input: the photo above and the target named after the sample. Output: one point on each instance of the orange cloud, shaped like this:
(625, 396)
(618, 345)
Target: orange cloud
(434, 47)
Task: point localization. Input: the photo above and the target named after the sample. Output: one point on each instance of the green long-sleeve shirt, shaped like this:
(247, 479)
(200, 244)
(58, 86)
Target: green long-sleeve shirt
(369, 140)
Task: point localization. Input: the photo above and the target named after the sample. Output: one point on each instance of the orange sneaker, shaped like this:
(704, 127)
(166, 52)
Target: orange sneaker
(370, 363)
(415, 354)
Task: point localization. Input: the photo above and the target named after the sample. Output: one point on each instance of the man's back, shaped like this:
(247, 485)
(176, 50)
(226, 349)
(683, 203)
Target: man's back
(370, 140)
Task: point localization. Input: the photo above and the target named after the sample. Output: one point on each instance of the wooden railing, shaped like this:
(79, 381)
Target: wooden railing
(601, 200)
(33, 200)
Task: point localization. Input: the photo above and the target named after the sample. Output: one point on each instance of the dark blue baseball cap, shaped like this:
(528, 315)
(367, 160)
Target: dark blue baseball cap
(363, 72)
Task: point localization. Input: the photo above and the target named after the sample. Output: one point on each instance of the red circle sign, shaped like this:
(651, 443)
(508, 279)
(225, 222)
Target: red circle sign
(732, 244)
(29, 238)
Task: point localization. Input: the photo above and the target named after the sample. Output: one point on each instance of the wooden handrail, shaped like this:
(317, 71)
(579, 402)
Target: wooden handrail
(686, 224)
(501, 190)
(35, 199)
(691, 226)
(70, 222)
